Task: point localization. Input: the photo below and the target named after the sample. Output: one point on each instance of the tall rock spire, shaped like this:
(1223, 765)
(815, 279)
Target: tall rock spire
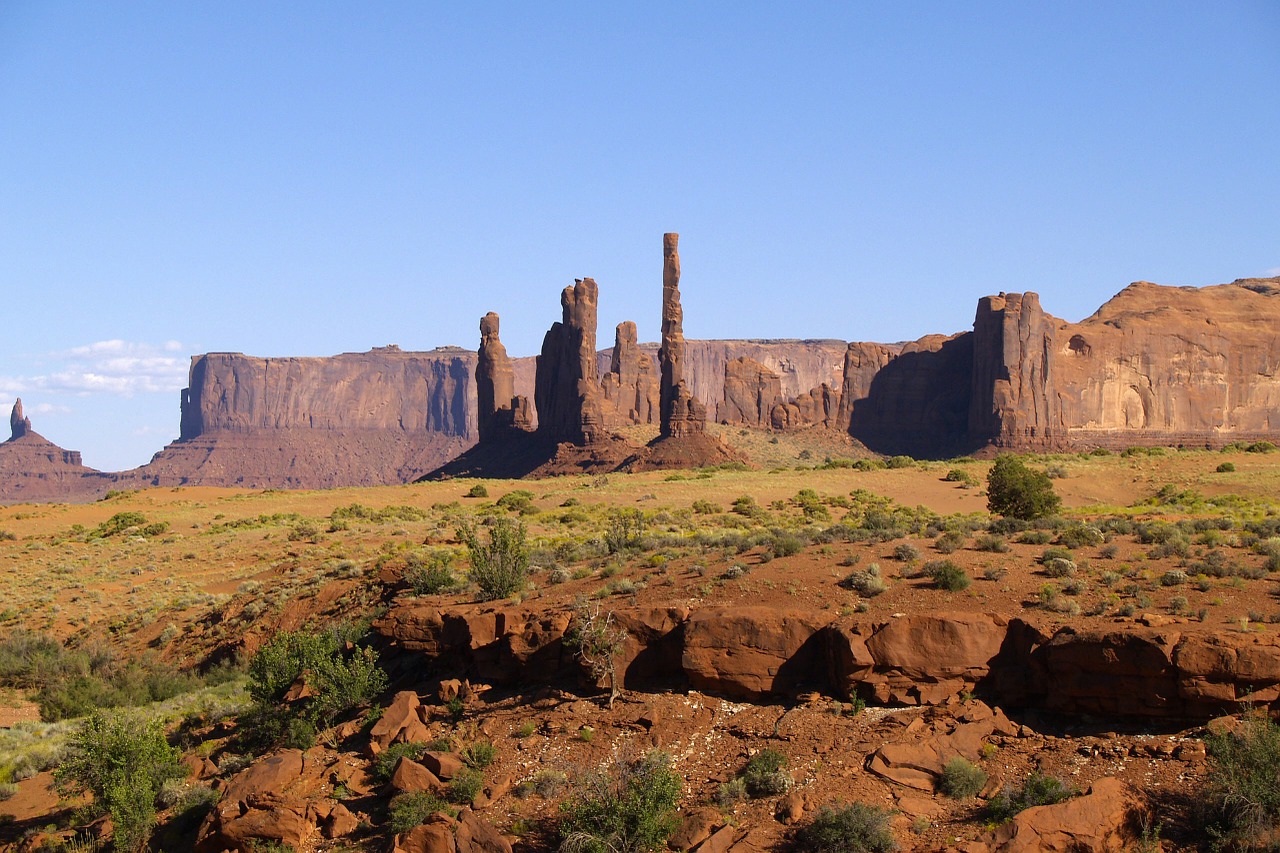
(682, 414)
(497, 406)
(18, 425)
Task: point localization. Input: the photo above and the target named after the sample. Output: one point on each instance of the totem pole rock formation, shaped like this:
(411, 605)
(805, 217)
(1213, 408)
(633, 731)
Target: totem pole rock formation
(567, 383)
(682, 413)
(498, 408)
(18, 425)
(630, 387)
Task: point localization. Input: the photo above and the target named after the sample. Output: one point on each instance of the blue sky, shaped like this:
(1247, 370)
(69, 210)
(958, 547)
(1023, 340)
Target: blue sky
(307, 179)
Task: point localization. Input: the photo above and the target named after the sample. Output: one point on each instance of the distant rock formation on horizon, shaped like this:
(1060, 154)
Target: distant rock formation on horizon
(1155, 365)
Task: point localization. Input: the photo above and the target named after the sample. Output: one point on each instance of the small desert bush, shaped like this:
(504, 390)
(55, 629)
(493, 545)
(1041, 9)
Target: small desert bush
(947, 575)
(1037, 790)
(766, 774)
(500, 560)
(340, 673)
(866, 582)
(123, 761)
(412, 809)
(855, 828)
(430, 574)
(950, 542)
(991, 544)
(1059, 567)
(385, 764)
(1080, 536)
(1241, 796)
(627, 807)
(906, 553)
(962, 779)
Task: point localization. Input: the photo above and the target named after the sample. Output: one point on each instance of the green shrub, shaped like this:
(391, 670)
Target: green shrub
(123, 761)
(1241, 796)
(961, 476)
(480, 754)
(499, 562)
(478, 491)
(1080, 536)
(766, 774)
(899, 462)
(628, 808)
(906, 553)
(1015, 490)
(430, 575)
(340, 680)
(412, 809)
(950, 542)
(962, 779)
(991, 544)
(704, 507)
(519, 501)
(866, 582)
(1037, 790)
(1225, 468)
(1035, 537)
(851, 829)
(947, 575)
(787, 544)
(385, 764)
(1057, 567)
(464, 786)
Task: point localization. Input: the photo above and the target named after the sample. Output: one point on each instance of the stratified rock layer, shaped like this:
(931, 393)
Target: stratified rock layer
(1173, 365)
(1014, 403)
(374, 418)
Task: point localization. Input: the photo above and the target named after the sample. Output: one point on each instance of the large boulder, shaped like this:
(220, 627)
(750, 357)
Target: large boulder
(753, 652)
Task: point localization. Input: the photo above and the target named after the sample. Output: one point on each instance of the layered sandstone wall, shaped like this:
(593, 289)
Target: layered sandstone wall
(383, 389)
(1161, 365)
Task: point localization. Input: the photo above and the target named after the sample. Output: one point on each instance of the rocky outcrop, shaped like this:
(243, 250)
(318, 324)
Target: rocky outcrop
(498, 408)
(1014, 401)
(1173, 365)
(753, 653)
(1106, 819)
(683, 414)
(751, 390)
(819, 407)
(18, 425)
(630, 387)
(566, 388)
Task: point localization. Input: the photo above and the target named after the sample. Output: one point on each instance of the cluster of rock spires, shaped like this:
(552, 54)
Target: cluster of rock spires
(1153, 366)
(577, 409)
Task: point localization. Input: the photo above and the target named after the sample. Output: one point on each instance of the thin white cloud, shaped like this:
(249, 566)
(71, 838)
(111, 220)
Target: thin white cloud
(116, 367)
(1274, 271)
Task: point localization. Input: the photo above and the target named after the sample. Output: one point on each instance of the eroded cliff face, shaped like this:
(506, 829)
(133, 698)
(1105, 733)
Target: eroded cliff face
(1014, 402)
(1158, 365)
(372, 418)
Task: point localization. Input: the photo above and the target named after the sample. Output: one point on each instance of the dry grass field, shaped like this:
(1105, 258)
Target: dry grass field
(186, 576)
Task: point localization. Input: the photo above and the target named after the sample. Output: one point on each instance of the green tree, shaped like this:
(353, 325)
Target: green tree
(122, 760)
(1016, 491)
